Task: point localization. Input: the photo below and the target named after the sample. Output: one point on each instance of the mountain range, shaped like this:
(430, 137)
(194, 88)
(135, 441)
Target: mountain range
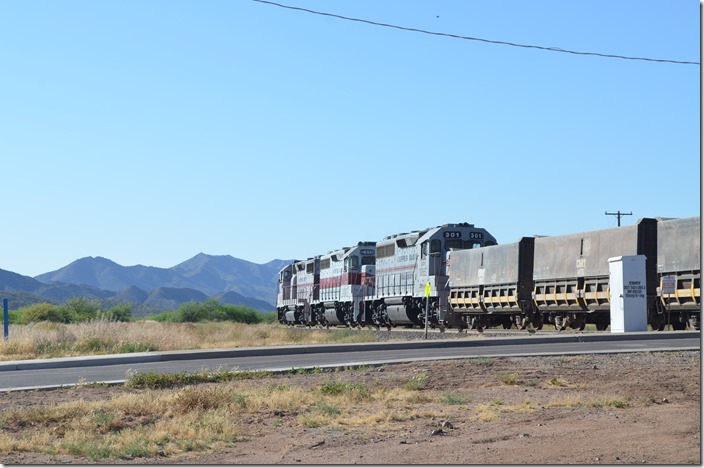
(151, 289)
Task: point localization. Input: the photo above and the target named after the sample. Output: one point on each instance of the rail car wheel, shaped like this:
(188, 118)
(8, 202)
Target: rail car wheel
(537, 323)
(694, 322)
(578, 322)
(602, 323)
(560, 323)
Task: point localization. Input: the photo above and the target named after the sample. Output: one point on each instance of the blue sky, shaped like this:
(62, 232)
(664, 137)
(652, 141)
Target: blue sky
(149, 131)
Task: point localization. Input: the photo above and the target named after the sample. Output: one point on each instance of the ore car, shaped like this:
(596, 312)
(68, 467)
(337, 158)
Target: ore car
(492, 286)
(571, 272)
(679, 264)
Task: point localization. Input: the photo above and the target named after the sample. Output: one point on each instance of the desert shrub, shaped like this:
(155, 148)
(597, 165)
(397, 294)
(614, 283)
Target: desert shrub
(241, 314)
(119, 313)
(417, 382)
(81, 310)
(43, 312)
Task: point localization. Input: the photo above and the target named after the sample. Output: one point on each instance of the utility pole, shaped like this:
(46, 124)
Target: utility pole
(618, 214)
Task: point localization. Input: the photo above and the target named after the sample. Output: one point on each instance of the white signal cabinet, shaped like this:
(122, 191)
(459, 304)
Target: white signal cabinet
(627, 294)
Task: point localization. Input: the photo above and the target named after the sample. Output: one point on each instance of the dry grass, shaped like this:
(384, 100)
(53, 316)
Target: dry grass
(50, 340)
(166, 422)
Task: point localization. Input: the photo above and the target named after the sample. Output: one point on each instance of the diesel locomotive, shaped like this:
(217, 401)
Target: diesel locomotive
(378, 284)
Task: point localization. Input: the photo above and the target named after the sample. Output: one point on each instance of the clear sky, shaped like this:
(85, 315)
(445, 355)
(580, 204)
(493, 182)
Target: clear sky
(149, 131)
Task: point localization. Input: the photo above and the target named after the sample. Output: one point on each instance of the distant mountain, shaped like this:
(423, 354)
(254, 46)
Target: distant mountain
(60, 292)
(231, 297)
(215, 273)
(132, 294)
(209, 274)
(106, 274)
(151, 289)
(10, 281)
(172, 298)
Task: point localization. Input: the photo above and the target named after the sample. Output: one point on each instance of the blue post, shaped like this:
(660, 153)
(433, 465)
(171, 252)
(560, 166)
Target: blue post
(5, 318)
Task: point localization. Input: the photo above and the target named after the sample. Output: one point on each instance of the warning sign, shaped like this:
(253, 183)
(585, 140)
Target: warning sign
(668, 284)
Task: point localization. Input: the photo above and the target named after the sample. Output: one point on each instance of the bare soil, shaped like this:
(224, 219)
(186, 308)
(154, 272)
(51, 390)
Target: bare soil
(635, 408)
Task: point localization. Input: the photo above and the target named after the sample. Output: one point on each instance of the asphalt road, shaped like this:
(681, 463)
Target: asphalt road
(59, 372)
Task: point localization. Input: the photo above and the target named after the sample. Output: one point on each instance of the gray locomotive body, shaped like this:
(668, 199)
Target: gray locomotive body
(411, 268)
(299, 292)
(346, 275)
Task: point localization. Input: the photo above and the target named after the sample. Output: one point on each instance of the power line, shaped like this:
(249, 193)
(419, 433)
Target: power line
(513, 44)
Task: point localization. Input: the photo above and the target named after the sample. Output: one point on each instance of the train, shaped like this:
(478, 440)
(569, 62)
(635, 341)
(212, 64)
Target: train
(457, 276)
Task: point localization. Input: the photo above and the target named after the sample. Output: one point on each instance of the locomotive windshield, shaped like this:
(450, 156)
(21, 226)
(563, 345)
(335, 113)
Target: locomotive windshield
(368, 260)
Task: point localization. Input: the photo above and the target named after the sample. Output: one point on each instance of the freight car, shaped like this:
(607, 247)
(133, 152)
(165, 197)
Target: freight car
(679, 262)
(564, 280)
(492, 286)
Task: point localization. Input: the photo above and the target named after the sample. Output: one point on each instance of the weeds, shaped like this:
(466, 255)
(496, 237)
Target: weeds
(509, 379)
(453, 398)
(417, 382)
(480, 361)
(557, 382)
(155, 380)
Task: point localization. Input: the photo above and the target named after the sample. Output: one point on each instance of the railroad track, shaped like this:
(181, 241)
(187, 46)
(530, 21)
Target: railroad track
(435, 334)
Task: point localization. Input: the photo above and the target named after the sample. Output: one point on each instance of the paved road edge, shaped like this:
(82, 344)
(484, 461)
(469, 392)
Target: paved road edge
(116, 359)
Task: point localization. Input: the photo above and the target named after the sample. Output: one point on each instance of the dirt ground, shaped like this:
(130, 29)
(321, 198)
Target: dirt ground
(635, 408)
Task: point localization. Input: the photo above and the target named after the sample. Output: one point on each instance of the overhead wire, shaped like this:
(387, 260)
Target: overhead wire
(456, 36)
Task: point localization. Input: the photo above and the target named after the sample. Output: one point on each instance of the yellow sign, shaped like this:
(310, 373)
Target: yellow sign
(427, 289)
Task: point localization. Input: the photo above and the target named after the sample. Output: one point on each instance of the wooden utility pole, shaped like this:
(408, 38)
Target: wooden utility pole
(618, 214)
